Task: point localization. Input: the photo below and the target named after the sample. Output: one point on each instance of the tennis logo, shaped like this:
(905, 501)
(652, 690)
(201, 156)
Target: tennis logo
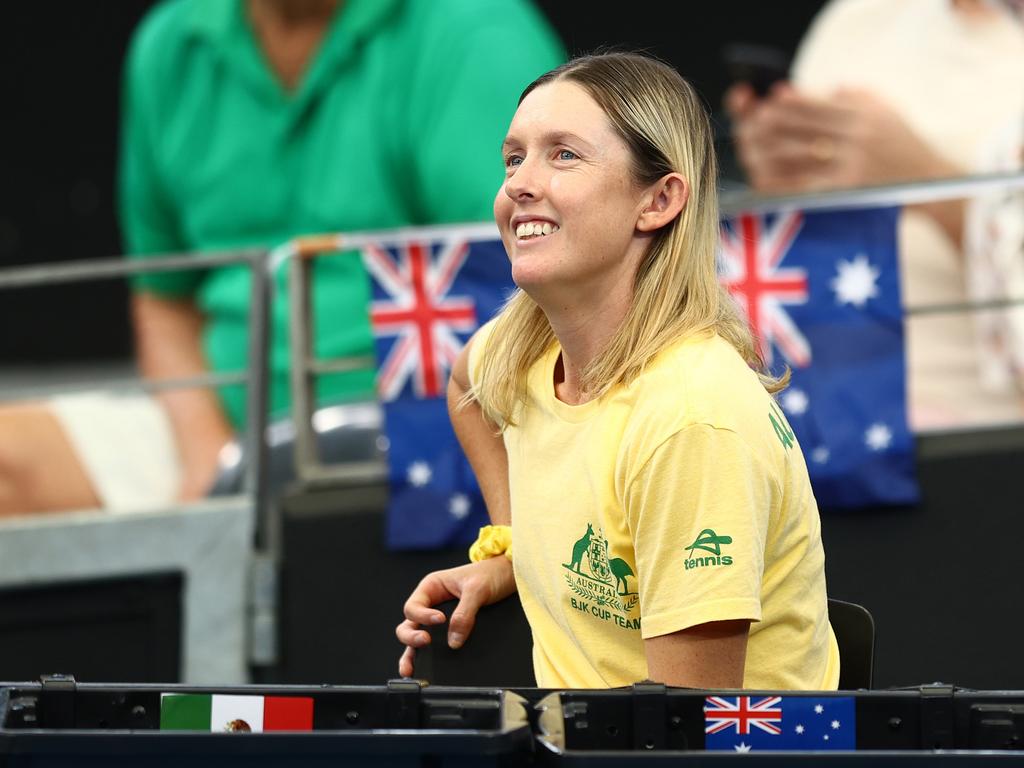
(710, 542)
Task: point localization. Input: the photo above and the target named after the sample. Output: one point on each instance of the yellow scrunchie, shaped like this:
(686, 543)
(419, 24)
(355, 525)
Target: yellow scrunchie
(493, 540)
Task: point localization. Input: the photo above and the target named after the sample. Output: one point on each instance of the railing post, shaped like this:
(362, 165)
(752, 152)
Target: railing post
(265, 568)
(256, 477)
(303, 381)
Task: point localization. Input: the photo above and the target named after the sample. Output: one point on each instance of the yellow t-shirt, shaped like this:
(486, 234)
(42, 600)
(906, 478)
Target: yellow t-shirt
(678, 500)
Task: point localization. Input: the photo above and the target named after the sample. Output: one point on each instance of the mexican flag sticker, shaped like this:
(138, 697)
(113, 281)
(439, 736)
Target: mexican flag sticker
(237, 714)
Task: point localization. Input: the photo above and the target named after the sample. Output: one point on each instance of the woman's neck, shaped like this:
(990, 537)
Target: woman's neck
(584, 330)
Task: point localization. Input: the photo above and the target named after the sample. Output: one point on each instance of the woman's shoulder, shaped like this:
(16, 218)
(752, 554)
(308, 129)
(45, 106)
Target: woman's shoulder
(699, 380)
(703, 385)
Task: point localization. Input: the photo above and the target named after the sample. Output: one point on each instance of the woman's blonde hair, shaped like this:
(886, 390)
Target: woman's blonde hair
(676, 292)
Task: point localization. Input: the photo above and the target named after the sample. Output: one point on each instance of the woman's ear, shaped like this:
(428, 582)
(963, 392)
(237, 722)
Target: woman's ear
(667, 199)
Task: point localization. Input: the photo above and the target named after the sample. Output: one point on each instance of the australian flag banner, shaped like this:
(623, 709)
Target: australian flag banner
(757, 723)
(431, 290)
(821, 292)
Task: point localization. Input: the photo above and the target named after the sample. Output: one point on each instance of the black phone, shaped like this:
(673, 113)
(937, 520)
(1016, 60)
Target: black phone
(761, 66)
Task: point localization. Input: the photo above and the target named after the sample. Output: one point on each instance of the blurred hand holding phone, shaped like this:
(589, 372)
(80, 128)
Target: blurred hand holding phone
(786, 140)
(759, 66)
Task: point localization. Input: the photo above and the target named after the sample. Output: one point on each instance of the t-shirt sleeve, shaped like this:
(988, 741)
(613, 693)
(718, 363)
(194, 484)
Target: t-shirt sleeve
(698, 513)
(149, 224)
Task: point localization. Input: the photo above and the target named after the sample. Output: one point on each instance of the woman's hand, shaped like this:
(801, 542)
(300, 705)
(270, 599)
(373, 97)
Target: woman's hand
(474, 585)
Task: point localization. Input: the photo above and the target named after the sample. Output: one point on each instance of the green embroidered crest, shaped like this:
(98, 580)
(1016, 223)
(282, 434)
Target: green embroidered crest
(602, 586)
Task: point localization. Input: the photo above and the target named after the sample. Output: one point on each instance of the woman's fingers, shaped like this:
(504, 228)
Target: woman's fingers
(464, 617)
(405, 663)
(428, 593)
(411, 634)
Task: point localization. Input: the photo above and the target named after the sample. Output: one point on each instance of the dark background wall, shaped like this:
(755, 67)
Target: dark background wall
(60, 68)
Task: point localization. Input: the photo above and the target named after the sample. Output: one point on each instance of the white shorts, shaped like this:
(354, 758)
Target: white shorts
(126, 447)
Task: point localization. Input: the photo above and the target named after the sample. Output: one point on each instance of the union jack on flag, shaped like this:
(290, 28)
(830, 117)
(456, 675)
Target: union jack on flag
(742, 713)
(432, 288)
(752, 253)
(420, 312)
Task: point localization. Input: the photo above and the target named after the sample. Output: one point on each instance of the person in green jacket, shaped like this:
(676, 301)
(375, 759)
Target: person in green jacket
(246, 123)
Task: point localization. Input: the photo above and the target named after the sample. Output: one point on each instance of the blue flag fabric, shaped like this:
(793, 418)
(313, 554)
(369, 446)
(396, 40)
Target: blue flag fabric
(758, 723)
(429, 295)
(821, 291)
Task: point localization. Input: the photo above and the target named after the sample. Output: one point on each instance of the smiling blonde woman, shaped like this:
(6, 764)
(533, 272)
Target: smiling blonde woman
(617, 416)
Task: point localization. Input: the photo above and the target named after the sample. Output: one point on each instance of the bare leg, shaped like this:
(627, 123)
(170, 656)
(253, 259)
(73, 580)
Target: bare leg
(39, 471)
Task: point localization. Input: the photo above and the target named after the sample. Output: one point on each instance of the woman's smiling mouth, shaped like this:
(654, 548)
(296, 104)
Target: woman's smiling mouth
(528, 229)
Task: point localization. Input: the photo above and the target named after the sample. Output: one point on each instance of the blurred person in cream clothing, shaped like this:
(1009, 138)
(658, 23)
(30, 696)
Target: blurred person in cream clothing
(885, 92)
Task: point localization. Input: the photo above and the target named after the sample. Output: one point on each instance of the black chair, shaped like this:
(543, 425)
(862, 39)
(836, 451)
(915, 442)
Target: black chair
(855, 632)
(498, 652)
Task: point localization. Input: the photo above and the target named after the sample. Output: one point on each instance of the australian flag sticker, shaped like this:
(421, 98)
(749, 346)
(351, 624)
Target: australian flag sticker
(787, 723)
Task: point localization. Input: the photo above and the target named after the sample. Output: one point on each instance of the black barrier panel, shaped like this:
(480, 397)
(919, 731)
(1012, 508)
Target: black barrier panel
(648, 720)
(60, 723)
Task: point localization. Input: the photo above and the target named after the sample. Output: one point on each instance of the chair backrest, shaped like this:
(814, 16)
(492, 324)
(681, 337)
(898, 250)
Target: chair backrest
(855, 633)
(501, 652)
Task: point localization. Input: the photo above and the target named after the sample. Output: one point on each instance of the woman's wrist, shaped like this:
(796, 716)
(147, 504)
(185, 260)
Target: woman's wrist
(492, 541)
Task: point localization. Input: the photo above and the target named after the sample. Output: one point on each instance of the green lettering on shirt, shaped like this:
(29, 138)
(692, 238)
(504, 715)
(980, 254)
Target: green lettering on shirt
(782, 430)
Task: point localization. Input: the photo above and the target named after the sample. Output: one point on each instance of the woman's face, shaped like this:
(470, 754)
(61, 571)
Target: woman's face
(568, 207)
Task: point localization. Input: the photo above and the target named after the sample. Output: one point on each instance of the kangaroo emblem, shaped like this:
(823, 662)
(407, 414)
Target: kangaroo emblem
(579, 548)
(620, 570)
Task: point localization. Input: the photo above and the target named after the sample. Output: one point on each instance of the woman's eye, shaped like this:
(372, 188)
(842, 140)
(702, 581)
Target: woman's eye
(513, 161)
(566, 154)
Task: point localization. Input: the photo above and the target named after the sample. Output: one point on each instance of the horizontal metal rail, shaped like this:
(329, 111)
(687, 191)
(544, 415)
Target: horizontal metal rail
(340, 364)
(964, 307)
(100, 269)
(908, 193)
(126, 384)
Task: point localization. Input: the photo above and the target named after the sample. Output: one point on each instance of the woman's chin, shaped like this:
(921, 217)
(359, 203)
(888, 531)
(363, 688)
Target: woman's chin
(528, 276)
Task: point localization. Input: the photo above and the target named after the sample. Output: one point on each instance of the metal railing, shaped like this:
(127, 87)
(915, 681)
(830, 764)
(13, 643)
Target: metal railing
(907, 193)
(255, 377)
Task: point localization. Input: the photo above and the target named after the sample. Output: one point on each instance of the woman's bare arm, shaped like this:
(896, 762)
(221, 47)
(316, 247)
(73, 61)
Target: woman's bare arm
(710, 655)
(480, 441)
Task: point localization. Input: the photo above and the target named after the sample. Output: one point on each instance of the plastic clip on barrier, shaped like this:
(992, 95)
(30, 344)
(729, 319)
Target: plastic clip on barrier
(937, 724)
(403, 703)
(649, 715)
(56, 708)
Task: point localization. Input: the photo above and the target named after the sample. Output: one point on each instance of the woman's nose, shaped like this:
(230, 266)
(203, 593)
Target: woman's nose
(524, 182)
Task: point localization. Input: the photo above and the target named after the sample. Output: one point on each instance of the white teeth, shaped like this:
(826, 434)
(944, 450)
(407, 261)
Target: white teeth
(531, 228)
